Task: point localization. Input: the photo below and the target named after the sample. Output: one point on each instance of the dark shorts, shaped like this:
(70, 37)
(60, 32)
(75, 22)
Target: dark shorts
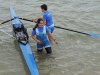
(48, 50)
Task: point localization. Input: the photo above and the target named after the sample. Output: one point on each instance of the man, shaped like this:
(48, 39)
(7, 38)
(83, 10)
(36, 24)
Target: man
(47, 17)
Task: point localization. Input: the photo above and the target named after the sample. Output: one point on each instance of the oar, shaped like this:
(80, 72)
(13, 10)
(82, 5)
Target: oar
(8, 34)
(27, 20)
(7, 21)
(89, 34)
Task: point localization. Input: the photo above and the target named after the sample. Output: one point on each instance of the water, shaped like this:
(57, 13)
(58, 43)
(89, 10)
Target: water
(76, 54)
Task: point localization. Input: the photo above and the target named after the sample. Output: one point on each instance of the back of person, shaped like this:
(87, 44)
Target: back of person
(48, 18)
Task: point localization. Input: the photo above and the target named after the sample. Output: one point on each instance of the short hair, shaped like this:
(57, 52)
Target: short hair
(44, 6)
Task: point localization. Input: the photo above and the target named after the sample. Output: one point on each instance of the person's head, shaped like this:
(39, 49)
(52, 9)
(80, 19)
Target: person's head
(40, 23)
(44, 7)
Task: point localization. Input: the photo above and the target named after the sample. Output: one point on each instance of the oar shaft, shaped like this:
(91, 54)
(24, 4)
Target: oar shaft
(59, 27)
(27, 20)
(6, 21)
(71, 30)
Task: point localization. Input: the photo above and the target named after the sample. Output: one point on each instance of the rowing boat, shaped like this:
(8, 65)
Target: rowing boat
(22, 38)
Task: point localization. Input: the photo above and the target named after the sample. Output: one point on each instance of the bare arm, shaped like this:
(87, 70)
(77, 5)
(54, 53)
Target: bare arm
(44, 22)
(38, 41)
(34, 19)
(52, 37)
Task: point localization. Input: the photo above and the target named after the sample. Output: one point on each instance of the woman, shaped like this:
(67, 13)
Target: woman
(41, 31)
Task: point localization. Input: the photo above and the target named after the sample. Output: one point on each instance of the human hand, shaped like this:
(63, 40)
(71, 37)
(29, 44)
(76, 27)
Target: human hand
(38, 41)
(56, 42)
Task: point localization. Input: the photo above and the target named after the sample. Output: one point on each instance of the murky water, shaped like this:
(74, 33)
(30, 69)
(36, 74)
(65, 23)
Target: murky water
(76, 54)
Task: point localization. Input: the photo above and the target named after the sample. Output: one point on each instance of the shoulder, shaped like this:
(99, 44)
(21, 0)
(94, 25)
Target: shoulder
(33, 32)
(46, 13)
(45, 27)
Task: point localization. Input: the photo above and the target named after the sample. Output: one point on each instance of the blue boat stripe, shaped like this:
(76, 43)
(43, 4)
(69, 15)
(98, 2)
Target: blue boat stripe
(26, 50)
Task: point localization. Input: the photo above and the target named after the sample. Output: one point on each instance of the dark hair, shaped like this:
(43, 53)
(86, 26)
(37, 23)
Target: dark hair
(38, 21)
(44, 6)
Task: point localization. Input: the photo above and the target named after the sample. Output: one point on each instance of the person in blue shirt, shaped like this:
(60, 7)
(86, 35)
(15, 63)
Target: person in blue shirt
(47, 17)
(39, 34)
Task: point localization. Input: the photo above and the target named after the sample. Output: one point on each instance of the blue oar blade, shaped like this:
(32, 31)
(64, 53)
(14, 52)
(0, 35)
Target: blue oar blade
(94, 35)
